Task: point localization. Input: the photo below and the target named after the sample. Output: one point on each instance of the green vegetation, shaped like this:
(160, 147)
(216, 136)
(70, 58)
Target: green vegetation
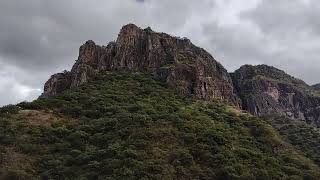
(130, 126)
(303, 136)
(273, 74)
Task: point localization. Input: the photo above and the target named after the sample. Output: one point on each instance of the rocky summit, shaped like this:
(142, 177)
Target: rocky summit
(191, 70)
(185, 67)
(266, 90)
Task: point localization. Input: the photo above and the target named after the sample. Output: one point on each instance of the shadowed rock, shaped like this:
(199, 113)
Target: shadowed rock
(265, 90)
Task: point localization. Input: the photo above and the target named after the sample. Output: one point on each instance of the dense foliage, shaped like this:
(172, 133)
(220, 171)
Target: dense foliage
(256, 73)
(130, 126)
(302, 135)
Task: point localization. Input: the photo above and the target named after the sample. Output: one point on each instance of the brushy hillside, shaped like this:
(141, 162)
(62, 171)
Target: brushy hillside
(130, 126)
(303, 136)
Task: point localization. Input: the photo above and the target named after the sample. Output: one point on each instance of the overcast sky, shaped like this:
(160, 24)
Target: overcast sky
(42, 37)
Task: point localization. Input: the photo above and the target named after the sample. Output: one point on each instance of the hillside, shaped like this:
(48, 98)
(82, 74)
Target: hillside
(303, 136)
(267, 90)
(123, 125)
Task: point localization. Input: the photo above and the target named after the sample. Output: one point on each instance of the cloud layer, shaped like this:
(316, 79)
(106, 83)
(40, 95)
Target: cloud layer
(39, 38)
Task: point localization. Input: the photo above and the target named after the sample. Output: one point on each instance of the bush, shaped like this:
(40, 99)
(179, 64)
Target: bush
(9, 109)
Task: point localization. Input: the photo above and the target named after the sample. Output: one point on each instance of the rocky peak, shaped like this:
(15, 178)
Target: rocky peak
(57, 83)
(187, 68)
(129, 30)
(87, 52)
(191, 70)
(266, 90)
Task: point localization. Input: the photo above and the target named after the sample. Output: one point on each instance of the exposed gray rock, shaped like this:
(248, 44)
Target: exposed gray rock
(265, 90)
(187, 68)
(191, 70)
(57, 83)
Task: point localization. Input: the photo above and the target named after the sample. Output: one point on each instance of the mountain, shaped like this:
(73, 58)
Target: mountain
(187, 68)
(154, 106)
(128, 125)
(316, 86)
(303, 136)
(267, 90)
(190, 70)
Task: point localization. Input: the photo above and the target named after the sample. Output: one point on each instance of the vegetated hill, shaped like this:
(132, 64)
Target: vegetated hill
(266, 90)
(302, 135)
(131, 126)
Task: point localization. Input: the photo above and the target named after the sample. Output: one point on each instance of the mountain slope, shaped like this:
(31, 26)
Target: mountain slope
(303, 136)
(266, 90)
(131, 126)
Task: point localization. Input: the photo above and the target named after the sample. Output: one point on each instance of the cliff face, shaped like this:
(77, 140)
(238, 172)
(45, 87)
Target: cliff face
(192, 71)
(265, 90)
(184, 66)
(57, 83)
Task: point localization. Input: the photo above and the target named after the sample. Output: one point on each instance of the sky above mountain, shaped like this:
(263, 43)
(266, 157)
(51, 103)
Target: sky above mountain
(39, 38)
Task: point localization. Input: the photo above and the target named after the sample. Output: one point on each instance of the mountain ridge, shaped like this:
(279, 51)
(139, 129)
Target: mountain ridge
(266, 90)
(191, 70)
(185, 67)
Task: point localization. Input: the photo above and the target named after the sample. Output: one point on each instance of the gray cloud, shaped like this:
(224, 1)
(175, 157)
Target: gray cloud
(293, 26)
(39, 38)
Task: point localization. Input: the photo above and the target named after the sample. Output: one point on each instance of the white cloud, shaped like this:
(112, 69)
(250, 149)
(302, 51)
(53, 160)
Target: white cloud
(12, 90)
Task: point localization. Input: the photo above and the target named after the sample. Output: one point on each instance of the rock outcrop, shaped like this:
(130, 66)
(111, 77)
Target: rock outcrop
(187, 68)
(57, 83)
(265, 90)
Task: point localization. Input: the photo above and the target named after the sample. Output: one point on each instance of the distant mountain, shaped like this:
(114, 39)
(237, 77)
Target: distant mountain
(266, 90)
(154, 106)
(316, 86)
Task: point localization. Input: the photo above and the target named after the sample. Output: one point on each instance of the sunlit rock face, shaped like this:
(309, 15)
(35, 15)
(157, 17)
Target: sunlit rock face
(185, 67)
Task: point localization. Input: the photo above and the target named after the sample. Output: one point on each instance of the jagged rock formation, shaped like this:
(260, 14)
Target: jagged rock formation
(192, 71)
(58, 83)
(187, 68)
(266, 90)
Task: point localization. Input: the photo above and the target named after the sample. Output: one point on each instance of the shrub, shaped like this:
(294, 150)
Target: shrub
(9, 109)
